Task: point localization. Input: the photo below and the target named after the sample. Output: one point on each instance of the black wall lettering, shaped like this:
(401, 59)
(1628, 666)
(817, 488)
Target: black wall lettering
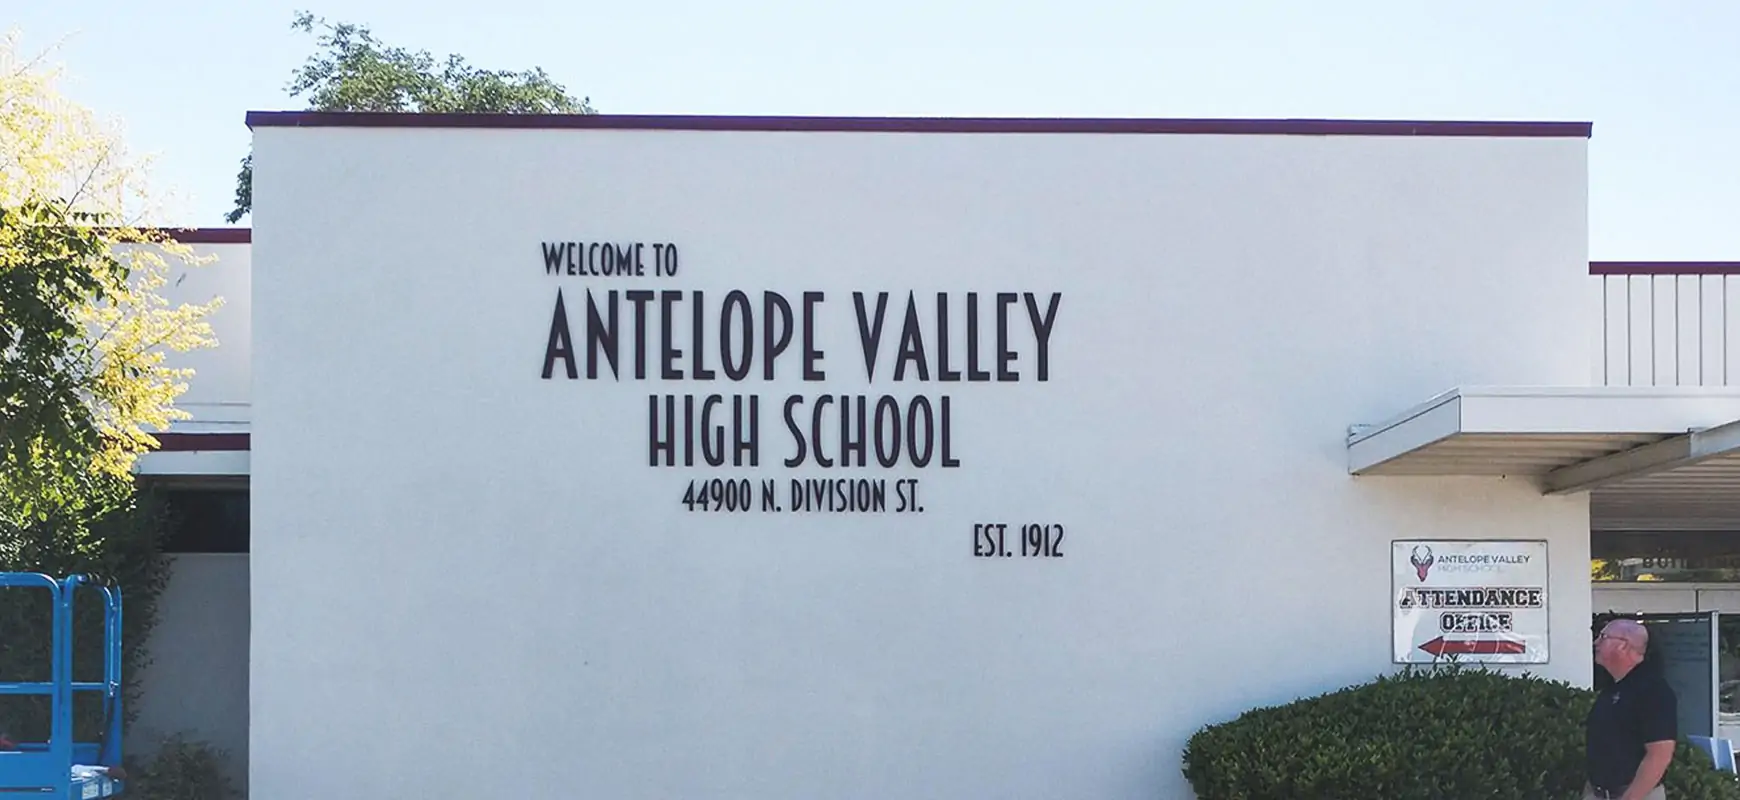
(920, 407)
(870, 336)
(1005, 356)
(640, 297)
(737, 304)
(668, 265)
(688, 430)
(560, 345)
(869, 431)
(669, 370)
(797, 434)
(948, 459)
(697, 328)
(600, 335)
(811, 355)
(887, 431)
(748, 428)
(943, 373)
(853, 441)
(771, 302)
(816, 430)
(712, 436)
(595, 259)
(911, 344)
(974, 374)
(1042, 330)
(622, 261)
(667, 443)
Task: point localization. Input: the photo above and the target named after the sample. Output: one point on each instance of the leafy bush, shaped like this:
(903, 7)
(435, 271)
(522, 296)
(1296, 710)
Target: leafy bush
(1441, 733)
(114, 536)
(182, 769)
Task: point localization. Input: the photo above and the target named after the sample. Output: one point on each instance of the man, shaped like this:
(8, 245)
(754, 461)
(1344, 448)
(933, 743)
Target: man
(1633, 726)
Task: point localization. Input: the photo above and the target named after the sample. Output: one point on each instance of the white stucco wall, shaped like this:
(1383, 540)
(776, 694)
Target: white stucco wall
(217, 396)
(197, 681)
(468, 581)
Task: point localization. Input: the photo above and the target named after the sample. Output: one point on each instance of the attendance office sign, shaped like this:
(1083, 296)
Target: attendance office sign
(1479, 601)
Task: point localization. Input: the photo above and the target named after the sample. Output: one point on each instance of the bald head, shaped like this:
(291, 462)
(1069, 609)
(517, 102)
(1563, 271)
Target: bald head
(1621, 646)
(1629, 631)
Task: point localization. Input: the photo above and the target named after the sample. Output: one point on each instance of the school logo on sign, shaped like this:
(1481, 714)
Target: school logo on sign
(1422, 560)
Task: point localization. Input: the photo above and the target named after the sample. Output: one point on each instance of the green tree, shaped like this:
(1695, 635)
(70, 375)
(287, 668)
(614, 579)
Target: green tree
(354, 71)
(83, 330)
(83, 339)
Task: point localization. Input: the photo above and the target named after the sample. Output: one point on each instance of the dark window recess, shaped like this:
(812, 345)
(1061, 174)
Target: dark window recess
(207, 521)
(1665, 556)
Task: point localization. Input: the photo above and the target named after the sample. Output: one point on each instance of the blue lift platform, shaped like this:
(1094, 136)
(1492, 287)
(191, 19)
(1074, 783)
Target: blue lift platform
(62, 767)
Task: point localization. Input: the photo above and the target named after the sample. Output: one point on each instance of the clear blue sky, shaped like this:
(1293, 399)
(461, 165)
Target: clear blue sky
(1660, 80)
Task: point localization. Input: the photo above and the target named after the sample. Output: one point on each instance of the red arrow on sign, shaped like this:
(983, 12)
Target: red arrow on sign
(1441, 646)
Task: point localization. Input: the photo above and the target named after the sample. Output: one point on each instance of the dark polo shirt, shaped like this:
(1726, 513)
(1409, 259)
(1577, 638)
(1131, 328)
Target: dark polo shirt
(1631, 712)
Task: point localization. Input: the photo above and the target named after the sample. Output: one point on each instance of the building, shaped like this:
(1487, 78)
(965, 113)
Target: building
(720, 457)
(197, 679)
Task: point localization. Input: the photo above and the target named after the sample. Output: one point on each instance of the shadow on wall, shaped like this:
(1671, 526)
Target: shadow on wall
(193, 707)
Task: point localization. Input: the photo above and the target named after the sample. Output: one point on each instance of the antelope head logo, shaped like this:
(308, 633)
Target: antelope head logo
(1422, 560)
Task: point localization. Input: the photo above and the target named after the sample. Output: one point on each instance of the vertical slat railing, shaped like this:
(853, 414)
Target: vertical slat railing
(1669, 323)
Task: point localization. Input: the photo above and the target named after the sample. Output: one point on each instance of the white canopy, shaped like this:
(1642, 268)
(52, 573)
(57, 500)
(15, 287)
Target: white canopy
(1653, 457)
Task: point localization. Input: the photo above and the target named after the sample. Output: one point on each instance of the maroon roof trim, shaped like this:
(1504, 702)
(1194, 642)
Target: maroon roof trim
(210, 235)
(194, 235)
(1301, 127)
(1664, 268)
(189, 442)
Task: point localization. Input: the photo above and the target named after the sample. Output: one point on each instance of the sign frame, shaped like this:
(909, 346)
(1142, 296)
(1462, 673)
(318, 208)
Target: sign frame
(1412, 630)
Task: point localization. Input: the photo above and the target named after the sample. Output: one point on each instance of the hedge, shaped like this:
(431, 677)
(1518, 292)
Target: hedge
(1448, 732)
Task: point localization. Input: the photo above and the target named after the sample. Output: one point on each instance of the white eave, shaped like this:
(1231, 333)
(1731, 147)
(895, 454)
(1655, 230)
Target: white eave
(1684, 439)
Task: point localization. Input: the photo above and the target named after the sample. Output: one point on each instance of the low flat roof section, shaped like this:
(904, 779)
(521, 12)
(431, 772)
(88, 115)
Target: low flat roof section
(1566, 438)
